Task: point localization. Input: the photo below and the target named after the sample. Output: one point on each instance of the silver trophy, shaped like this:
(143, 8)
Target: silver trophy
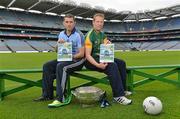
(88, 96)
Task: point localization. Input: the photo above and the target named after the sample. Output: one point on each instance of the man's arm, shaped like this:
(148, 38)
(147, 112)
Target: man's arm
(92, 60)
(60, 40)
(88, 50)
(80, 54)
(106, 40)
(56, 45)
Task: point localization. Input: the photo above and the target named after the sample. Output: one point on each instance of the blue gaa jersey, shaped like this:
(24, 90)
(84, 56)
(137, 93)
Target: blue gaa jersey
(74, 37)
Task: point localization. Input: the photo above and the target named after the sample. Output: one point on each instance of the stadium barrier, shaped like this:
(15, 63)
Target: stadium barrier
(83, 74)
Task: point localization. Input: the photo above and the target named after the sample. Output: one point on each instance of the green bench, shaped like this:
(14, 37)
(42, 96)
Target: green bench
(131, 83)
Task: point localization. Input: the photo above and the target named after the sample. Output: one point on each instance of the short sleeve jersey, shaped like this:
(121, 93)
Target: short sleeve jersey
(74, 37)
(93, 40)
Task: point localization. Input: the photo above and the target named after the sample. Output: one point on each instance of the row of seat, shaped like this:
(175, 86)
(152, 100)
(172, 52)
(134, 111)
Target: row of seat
(23, 45)
(42, 20)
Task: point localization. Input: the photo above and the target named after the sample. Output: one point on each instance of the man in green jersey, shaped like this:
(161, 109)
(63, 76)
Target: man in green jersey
(115, 71)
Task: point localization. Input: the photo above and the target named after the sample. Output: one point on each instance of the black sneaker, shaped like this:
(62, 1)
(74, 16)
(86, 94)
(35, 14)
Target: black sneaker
(40, 99)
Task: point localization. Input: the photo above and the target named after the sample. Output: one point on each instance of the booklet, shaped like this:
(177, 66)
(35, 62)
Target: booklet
(64, 51)
(107, 53)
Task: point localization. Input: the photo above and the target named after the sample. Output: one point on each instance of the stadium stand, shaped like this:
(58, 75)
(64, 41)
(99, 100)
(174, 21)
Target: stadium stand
(3, 47)
(175, 47)
(19, 45)
(23, 30)
(40, 45)
(51, 43)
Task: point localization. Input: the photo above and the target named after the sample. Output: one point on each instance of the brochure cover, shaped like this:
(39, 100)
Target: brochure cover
(64, 51)
(107, 53)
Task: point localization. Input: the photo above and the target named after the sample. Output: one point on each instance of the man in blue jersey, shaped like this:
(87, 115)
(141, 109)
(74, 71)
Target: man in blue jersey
(61, 69)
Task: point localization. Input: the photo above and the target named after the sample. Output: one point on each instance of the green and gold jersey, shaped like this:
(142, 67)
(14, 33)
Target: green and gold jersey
(93, 41)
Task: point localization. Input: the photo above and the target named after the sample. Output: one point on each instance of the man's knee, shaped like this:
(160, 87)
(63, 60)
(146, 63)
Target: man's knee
(121, 62)
(46, 66)
(113, 66)
(59, 66)
(49, 65)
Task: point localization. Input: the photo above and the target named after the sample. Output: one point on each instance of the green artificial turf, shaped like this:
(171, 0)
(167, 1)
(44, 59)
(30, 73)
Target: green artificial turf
(21, 106)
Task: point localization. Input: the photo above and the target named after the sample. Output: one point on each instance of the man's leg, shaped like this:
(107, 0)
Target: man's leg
(116, 84)
(122, 69)
(49, 70)
(113, 75)
(63, 70)
(115, 81)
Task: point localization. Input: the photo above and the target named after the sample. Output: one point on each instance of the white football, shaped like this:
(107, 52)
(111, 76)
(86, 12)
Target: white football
(152, 105)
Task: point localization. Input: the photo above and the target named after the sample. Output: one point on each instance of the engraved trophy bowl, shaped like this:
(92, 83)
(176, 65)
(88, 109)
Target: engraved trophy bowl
(88, 96)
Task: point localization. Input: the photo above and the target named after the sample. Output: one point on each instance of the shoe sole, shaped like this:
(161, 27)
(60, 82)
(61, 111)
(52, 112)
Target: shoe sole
(67, 101)
(56, 106)
(121, 103)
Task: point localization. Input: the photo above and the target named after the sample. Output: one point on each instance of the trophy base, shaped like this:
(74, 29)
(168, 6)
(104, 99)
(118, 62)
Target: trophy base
(86, 105)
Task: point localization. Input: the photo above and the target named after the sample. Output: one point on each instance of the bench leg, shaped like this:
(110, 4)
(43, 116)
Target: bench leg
(178, 76)
(130, 80)
(1, 88)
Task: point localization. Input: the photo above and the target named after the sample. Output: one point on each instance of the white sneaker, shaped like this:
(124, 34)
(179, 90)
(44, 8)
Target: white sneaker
(127, 93)
(123, 100)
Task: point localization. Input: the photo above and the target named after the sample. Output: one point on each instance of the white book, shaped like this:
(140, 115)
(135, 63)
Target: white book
(107, 53)
(64, 51)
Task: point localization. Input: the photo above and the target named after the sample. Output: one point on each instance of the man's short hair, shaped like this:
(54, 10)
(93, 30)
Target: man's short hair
(69, 16)
(98, 14)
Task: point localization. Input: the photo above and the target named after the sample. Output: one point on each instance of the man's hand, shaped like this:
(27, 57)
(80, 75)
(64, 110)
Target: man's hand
(102, 65)
(61, 41)
(107, 42)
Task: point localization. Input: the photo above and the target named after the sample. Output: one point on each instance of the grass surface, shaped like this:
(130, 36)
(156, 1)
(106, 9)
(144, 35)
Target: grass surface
(21, 106)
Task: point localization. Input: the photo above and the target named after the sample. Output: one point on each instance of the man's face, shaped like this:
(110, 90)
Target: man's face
(98, 23)
(69, 23)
